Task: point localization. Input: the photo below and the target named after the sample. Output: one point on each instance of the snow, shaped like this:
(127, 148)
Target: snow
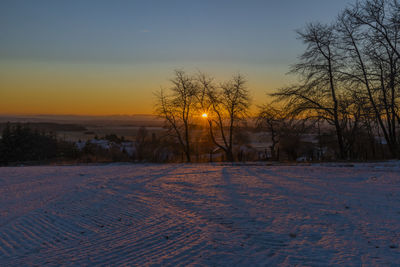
(201, 214)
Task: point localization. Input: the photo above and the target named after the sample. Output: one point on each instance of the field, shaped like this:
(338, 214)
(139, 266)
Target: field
(207, 215)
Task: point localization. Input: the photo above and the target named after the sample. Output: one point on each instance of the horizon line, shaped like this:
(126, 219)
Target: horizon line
(75, 115)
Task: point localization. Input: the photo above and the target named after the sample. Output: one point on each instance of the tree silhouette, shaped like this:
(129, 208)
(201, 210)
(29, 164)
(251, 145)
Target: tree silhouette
(227, 107)
(177, 109)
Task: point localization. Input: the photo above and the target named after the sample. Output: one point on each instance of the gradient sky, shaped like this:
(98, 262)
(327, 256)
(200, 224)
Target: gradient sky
(108, 57)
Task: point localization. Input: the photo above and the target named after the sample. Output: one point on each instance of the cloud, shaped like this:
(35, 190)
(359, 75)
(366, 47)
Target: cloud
(145, 31)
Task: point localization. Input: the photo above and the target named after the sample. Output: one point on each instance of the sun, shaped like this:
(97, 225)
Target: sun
(204, 115)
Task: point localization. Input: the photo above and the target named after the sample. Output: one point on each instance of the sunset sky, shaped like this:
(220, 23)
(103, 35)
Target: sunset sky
(109, 57)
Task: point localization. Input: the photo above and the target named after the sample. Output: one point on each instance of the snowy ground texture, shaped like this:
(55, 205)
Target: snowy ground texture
(207, 215)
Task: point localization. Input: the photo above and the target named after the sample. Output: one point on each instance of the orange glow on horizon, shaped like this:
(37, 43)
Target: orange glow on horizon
(56, 88)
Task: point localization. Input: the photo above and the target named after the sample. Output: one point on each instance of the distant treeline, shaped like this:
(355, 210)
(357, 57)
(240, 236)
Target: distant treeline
(292, 141)
(19, 143)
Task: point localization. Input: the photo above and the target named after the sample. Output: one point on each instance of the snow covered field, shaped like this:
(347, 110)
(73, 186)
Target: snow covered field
(219, 215)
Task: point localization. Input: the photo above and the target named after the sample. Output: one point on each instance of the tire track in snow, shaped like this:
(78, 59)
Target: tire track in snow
(91, 198)
(173, 215)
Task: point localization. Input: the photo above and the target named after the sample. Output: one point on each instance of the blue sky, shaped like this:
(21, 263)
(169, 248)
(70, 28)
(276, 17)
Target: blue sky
(150, 39)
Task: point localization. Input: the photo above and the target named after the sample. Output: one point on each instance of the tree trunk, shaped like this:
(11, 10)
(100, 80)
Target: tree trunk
(229, 155)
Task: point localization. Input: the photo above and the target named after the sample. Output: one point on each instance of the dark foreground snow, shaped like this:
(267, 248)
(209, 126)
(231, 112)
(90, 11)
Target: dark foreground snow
(200, 215)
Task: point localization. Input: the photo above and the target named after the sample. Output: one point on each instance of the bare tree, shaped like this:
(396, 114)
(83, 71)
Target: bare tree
(177, 109)
(318, 94)
(349, 69)
(227, 107)
(370, 41)
(272, 120)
